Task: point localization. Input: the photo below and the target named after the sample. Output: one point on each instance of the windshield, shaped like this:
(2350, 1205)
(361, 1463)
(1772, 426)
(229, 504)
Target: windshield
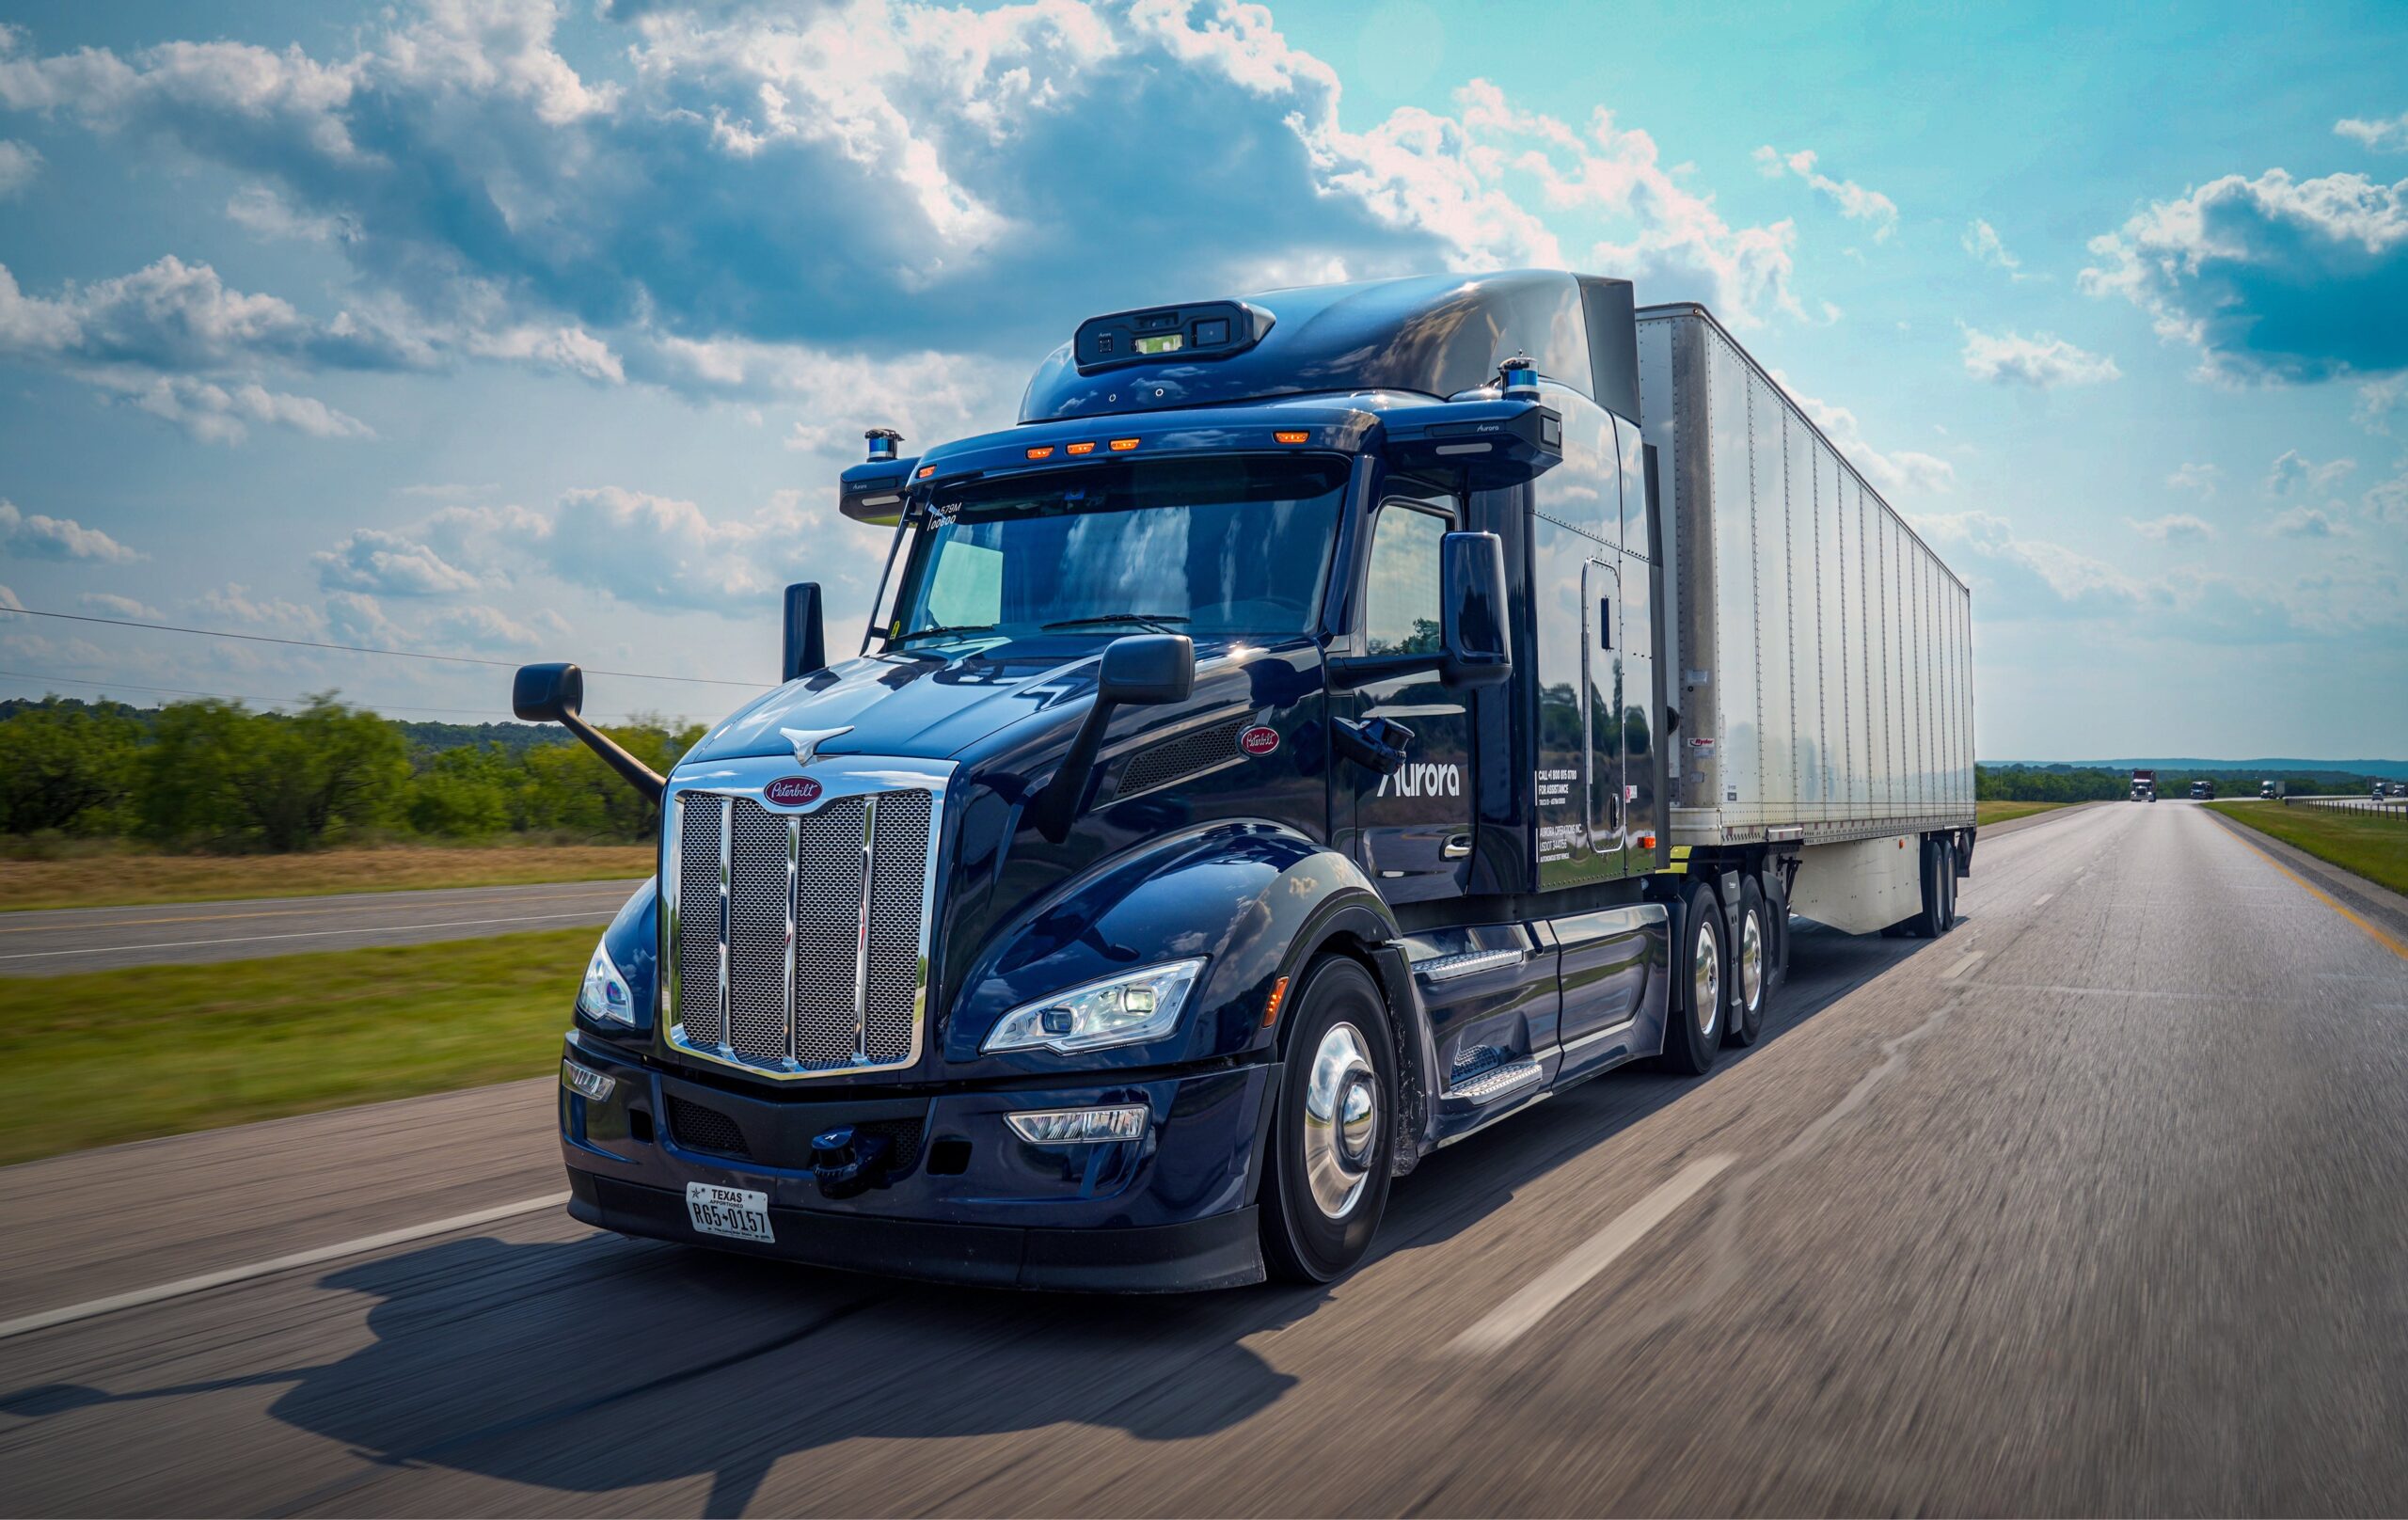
(1220, 545)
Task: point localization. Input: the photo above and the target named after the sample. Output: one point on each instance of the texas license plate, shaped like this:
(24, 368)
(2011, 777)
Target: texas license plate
(735, 1212)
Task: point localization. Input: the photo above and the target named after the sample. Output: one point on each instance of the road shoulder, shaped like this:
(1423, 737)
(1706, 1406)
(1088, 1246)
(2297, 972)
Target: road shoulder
(2385, 908)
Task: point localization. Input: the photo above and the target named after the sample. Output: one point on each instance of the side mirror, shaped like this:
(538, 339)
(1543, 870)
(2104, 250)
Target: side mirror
(548, 693)
(1147, 670)
(1471, 604)
(807, 643)
(556, 694)
(1144, 669)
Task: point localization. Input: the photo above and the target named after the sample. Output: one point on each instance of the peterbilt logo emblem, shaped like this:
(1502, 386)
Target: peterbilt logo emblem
(1260, 739)
(791, 791)
(806, 742)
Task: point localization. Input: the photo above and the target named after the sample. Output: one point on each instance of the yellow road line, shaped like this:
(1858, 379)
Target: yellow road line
(284, 912)
(2320, 895)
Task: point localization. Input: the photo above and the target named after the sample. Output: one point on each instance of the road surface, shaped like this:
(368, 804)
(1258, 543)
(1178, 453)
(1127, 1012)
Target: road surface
(2093, 1205)
(48, 942)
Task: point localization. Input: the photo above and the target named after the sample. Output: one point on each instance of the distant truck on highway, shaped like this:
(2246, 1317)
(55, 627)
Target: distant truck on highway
(2144, 785)
(1329, 723)
(2203, 791)
(2268, 790)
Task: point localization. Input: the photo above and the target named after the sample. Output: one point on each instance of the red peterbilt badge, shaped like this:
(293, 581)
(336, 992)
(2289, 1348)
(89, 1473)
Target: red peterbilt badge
(1260, 739)
(791, 791)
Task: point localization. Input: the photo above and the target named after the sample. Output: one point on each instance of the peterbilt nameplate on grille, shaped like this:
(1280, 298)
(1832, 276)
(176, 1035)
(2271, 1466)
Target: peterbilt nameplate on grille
(797, 941)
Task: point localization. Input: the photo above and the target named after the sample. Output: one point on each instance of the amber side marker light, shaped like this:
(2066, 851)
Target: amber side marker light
(1270, 1008)
(925, 471)
(1046, 452)
(1291, 438)
(1121, 446)
(1083, 447)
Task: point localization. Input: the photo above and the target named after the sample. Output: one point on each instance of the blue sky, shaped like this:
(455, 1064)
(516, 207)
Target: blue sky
(516, 330)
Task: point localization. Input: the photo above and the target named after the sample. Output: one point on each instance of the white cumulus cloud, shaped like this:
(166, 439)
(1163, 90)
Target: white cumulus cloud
(19, 165)
(2294, 471)
(2384, 136)
(33, 536)
(2201, 478)
(2043, 361)
(1855, 202)
(2174, 528)
(2304, 521)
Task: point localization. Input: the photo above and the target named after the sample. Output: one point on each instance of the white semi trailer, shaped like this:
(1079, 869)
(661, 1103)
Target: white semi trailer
(1821, 653)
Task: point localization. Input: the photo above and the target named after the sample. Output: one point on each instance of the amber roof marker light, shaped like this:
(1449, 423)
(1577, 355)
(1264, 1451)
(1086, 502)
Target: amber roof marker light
(1045, 452)
(1082, 448)
(1290, 437)
(1121, 446)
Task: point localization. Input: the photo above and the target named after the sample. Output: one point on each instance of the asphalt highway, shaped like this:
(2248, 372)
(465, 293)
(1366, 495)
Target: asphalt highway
(2094, 1204)
(47, 941)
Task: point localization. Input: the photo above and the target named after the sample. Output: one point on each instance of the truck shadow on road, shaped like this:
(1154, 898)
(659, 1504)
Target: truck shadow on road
(598, 1364)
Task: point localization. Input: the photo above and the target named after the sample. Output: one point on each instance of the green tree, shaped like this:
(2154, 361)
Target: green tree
(219, 772)
(66, 770)
(464, 793)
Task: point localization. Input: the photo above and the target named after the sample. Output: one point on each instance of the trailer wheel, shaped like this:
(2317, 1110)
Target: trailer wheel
(1332, 1139)
(1753, 958)
(1932, 919)
(1701, 972)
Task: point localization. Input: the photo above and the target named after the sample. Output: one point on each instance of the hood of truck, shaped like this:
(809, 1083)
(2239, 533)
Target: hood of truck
(928, 703)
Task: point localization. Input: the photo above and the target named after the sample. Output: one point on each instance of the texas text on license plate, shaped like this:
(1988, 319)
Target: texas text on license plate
(735, 1212)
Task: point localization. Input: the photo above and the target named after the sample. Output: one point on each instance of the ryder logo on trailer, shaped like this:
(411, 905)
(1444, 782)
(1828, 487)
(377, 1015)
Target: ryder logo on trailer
(791, 791)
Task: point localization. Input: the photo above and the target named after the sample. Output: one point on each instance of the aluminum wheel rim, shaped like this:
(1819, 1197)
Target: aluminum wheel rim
(1751, 960)
(1705, 981)
(1341, 1121)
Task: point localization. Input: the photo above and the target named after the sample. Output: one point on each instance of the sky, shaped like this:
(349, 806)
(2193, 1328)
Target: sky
(513, 330)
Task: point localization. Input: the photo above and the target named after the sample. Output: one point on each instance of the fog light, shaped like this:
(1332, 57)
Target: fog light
(587, 1083)
(1079, 1126)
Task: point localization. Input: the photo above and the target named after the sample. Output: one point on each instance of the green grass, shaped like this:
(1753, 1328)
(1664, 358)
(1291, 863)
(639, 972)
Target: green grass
(2001, 812)
(112, 878)
(2374, 847)
(102, 1056)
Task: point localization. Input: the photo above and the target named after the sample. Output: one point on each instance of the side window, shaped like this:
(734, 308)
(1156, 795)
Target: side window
(1401, 592)
(966, 590)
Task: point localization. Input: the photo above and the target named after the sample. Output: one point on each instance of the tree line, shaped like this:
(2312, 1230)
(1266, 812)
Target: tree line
(2094, 783)
(216, 775)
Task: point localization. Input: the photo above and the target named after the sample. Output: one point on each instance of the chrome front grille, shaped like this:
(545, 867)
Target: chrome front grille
(799, 938)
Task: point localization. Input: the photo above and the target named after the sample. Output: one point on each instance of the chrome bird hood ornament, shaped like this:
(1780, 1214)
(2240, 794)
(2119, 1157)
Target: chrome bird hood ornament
(806, 742)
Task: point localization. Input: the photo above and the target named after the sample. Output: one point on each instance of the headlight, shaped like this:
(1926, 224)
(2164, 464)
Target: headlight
(605, 997)
(1118, 1010)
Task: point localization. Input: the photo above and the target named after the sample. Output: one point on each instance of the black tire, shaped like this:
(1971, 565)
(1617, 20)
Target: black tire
(1930, 920)
(1751, 988)
(1694, 1015)
(1948, 885)
(1316, 1154)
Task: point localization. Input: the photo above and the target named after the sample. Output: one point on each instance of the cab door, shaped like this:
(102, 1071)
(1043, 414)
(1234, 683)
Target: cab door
(1413, 830)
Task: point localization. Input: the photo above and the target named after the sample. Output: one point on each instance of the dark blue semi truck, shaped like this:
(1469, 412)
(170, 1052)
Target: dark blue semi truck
(1319, 730)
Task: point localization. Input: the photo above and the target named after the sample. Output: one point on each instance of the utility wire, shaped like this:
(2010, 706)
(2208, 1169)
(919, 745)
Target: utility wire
(106, 686)
(358, 649)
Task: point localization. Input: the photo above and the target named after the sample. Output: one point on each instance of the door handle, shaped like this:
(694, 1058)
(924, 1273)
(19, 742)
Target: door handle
(1457, 848)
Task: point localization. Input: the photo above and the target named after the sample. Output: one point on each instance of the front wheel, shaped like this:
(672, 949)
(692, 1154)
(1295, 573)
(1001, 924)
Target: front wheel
(1335, 1133)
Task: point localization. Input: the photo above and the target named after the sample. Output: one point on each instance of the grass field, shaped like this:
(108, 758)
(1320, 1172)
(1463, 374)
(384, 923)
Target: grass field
(2001, 812)
(117, 877)
(2375, 847)
(103, 1056)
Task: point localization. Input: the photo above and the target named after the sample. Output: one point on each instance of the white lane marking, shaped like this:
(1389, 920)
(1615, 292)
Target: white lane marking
(2042, 900)
(298, 934)
(1510, 1320)
(1963, 966)
(283, 1264)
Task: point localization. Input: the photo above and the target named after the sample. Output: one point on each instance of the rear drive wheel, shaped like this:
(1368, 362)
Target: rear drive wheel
(1752, 966)
(1693, 1022)
(1332, 1140)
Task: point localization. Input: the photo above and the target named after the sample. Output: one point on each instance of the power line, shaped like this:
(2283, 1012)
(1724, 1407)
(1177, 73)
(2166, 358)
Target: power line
(106, 686)
(360, 649)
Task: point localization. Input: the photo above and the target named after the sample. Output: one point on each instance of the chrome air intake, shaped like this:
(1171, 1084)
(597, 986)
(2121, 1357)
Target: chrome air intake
(795, 912)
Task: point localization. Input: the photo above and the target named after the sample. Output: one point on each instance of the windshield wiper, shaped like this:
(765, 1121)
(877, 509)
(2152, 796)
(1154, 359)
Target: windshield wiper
(940, 627)
(1159, 622)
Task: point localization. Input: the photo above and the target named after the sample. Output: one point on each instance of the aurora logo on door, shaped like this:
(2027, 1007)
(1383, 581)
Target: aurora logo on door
(791, 791)
(1423, 781)
(1259, 740)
